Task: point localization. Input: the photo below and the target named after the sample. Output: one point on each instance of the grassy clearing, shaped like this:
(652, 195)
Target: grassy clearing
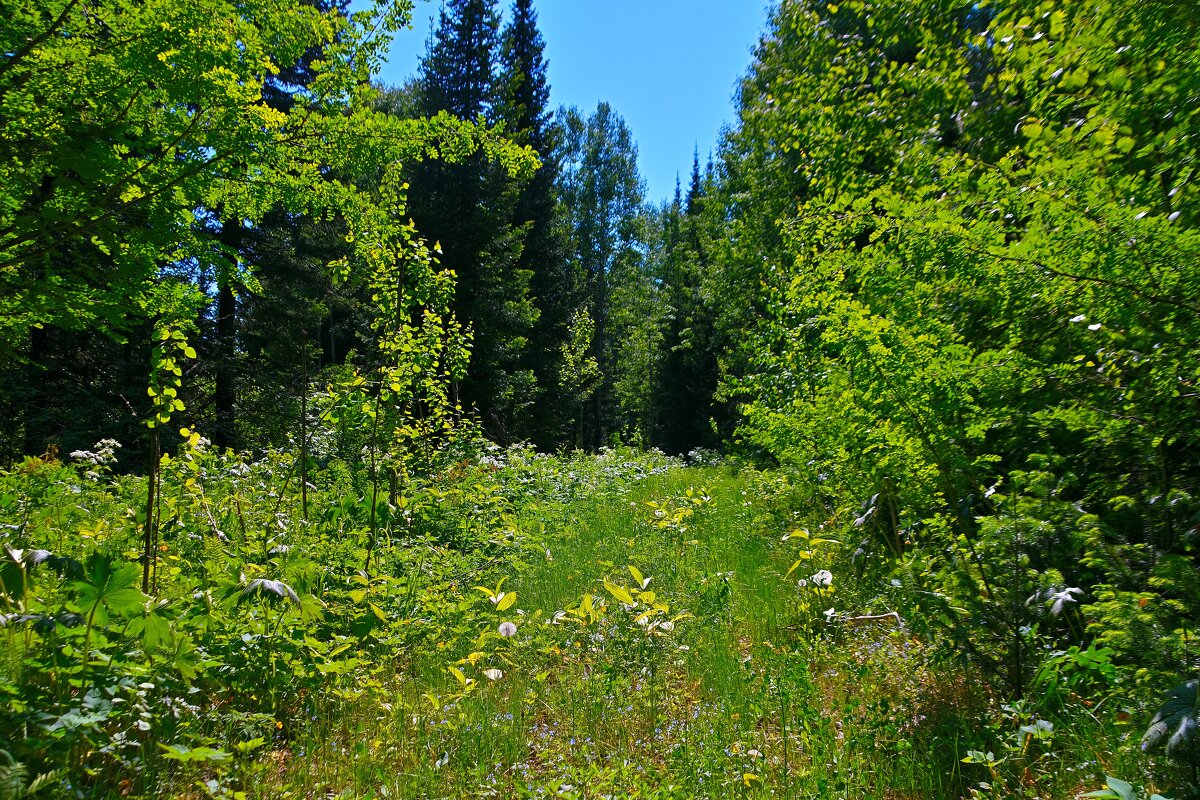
(746, 696)
(675, 633)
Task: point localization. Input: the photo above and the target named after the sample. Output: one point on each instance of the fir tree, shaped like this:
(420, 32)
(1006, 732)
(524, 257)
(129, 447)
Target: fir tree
(458, 73)
(554, 285)
(696, 190)
(689, 375)
(468, 210)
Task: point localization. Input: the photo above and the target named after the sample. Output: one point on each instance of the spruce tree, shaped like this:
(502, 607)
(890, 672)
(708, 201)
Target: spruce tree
(468, 208)
(696, 189)
(689, 376)
(554, 285)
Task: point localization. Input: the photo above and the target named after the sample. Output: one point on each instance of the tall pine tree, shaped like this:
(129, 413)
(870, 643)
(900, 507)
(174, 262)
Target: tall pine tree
(555, 285)
(688, 375)
(468, 210)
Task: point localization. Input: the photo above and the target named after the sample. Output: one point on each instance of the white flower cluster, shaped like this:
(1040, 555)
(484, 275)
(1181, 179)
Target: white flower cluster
(104, 454)
(823, 579)
(664, 625)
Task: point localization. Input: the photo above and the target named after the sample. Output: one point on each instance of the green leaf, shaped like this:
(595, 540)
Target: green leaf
(620, 592)
(108, 587)
(1117, 790)
(1176, 723)
(185, 754)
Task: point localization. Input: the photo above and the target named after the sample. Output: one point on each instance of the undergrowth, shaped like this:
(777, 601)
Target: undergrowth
(620, 625)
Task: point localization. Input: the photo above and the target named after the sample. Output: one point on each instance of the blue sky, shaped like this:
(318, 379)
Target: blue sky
(669, 67)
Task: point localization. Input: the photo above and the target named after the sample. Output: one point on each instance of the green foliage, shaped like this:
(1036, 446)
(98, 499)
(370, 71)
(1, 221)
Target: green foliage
(467, 208)
(14, 779)
(1175, 723)
(957, 249)
(670, 652)
(1118, 789)
(602, 193)
(157, 149)
(942, 267)
(579, 373)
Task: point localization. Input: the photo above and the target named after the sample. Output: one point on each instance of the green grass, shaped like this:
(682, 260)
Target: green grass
(749, 692)
(745, 697)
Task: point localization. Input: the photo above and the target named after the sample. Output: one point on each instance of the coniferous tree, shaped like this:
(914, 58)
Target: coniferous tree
(696, 189)
(467, 209)
(555, 287)
(689, 374)
(603, 193)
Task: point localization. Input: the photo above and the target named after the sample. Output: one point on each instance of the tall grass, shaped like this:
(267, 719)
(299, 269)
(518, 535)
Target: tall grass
(730, 681)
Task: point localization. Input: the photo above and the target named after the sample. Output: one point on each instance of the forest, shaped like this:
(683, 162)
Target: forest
(367, 441)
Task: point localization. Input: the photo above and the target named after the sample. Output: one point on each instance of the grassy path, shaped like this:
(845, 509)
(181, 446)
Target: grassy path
(719, 680)
(603, 626)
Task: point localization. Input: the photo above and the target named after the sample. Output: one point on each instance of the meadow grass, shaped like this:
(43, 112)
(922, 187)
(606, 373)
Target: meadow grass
(750, 695)
(673, 636)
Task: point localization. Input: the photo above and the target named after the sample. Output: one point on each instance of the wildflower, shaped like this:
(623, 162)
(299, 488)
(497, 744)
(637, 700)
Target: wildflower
(493, 674)
(1059, 600)
(823, 579)
(802, 582)
(507, 629)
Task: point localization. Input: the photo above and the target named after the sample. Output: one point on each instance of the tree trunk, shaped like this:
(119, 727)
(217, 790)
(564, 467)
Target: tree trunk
(224, 390)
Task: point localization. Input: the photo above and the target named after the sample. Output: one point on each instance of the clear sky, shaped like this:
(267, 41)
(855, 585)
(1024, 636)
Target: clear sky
(669, 67)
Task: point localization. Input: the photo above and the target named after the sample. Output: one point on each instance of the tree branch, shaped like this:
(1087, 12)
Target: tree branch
(37, 41)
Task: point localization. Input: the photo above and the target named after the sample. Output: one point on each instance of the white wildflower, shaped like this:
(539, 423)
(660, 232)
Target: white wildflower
(508, 629)
(1059, 600)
